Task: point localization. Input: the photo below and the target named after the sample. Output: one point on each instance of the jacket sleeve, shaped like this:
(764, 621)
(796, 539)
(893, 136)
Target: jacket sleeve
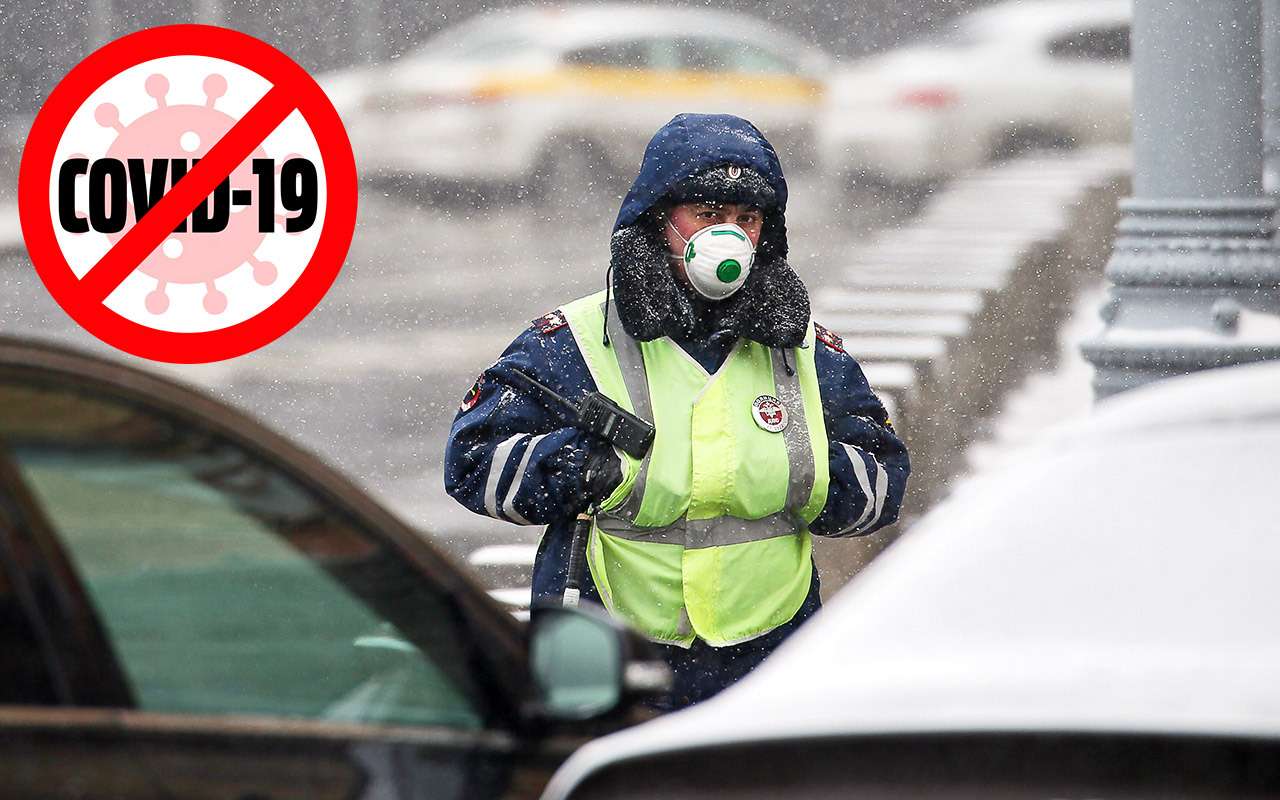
(511, 457)
(868, 462)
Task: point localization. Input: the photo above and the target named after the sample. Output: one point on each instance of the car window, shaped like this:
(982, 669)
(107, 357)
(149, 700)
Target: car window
(622, 55)
(751, 58)
(699, 54)
(225, 585)
(495, 49)
(710, 54)
(1109, 44)
(25, 673)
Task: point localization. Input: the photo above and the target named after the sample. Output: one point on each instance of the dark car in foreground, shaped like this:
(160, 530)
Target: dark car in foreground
(1096, 620)
(192, 607)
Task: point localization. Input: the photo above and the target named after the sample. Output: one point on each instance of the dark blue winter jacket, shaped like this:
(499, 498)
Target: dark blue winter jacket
(511, 457)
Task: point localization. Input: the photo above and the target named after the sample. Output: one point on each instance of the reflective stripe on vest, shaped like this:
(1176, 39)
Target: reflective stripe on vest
(707, 536)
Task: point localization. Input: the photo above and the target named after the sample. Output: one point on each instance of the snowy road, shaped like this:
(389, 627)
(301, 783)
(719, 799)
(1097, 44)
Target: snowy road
(429, 297)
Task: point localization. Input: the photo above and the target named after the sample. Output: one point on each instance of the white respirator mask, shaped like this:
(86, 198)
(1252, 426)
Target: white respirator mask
(717, 259)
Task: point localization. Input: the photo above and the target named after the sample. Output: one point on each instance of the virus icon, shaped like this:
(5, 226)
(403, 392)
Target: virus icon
(188, 132)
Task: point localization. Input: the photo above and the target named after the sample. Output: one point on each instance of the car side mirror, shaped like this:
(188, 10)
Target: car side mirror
(586, 665)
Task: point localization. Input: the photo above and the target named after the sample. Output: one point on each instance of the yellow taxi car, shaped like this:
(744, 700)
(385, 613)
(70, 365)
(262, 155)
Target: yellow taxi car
(547, 98)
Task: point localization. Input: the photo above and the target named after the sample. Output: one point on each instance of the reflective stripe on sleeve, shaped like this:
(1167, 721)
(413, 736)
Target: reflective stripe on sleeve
(501, 455)
(517, 480)
(882, 491)
(864, 482)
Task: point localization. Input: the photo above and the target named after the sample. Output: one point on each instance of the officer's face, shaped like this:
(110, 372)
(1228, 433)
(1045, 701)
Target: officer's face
(689, 218)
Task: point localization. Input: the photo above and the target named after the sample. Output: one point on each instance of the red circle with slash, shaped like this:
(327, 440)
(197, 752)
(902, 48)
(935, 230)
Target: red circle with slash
(83, 298)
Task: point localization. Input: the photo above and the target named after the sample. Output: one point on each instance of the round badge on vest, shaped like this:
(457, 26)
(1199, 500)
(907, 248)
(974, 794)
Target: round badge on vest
(769, 413)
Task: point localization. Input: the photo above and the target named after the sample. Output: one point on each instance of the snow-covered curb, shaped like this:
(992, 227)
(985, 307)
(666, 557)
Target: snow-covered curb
(951, 311)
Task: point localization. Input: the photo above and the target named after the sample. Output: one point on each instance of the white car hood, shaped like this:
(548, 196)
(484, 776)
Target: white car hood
(897, 693)
(1122, 582)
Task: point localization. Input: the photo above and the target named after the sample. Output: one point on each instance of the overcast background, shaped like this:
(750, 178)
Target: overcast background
(40, 42)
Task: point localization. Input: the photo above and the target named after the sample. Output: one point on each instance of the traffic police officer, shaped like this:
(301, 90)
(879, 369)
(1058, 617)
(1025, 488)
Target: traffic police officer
(766, 429)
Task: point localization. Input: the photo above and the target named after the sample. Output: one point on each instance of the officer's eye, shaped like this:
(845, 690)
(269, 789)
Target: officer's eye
(748, 219)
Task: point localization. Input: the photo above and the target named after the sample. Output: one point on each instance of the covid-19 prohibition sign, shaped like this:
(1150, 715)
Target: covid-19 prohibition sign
(186, 200)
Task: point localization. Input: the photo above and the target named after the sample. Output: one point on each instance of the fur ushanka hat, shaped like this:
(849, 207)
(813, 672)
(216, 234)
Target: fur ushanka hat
(688, 160)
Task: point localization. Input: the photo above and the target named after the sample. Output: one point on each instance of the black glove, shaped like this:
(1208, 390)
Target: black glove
(601, 474)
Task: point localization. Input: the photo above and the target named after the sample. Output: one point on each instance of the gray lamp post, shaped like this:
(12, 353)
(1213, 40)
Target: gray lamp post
(1195, 279)
(1271, 96)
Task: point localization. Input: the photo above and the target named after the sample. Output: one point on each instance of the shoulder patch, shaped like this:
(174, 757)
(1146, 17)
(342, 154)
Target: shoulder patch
(473, 395)
(829, 338)
(550, 323)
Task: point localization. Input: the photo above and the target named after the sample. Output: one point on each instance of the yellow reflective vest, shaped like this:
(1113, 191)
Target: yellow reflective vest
(707, 536)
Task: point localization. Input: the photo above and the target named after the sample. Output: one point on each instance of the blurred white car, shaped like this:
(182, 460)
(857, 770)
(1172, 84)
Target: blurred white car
(1099, 620)
(547, 96)
(1001, 80)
